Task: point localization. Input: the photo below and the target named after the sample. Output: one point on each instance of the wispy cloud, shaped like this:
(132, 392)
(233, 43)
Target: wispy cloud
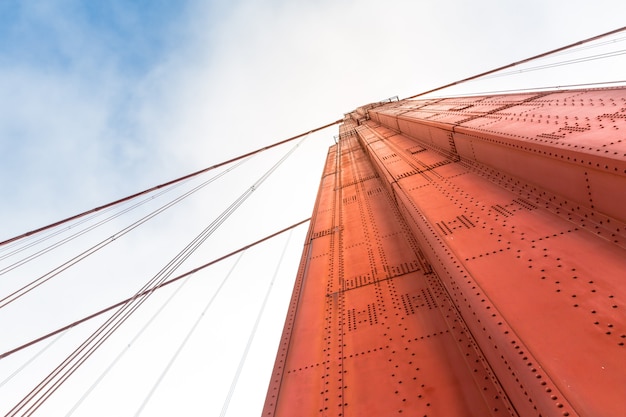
(69, 74)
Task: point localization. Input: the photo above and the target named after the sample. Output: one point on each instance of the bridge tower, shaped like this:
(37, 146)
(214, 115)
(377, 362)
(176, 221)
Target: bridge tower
(466, 257)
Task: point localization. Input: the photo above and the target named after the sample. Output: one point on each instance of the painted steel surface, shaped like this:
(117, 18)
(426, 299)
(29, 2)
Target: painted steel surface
(466, 257)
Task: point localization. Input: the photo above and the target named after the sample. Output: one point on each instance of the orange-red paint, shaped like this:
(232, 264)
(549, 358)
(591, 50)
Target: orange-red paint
(465, 258)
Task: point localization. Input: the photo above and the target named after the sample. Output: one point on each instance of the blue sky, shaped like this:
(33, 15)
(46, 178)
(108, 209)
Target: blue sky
(72, 73)
(100, 99)
(130, 36)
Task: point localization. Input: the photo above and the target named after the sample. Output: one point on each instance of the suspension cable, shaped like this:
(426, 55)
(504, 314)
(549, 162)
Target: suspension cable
(28, 245)
(595, 45)
(99, 223)
(244, 356)
(165, 184)
(32, 359)
(146, 292)
(93, 249)
(555, 87)
(128, 346)
(34, 239)
(559, 64)
(542, 55)
(40, 393)
(187, 337)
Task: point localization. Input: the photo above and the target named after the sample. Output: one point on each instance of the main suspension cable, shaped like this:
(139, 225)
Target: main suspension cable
(34, 239)
(8, 299)
(146, 292)
(40, 393)
(32, 359)
(559, 64)
(89, 228)
(127, 347)
(165, 184)
(523, 61)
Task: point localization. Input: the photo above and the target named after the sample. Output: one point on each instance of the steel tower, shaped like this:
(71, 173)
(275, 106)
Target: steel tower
(466, 257)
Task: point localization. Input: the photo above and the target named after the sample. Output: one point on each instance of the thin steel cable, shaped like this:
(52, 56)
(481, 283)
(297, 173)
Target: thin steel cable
(146, 292)
(544, 88)
(559, 64)
(28, 243)
(34, 239)
(8, 299)
(127, 347)
(32, 359)
(244, 356)
(85, 350)
(38, 395)
(156, 187)
(187, 337)
(83, 231)
(523, 61)
(592, 46)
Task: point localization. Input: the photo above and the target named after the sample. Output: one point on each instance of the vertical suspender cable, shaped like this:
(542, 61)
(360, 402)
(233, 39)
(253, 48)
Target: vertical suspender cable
(189, 334)
(244, 356)
(45, 348)
(39, 394)
(127, 347)
(73, 261)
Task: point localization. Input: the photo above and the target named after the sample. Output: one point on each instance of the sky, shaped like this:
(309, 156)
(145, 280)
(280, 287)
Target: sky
(103, 99)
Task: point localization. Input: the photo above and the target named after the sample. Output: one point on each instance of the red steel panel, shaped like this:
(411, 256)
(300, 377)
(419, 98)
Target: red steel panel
(531, 226)
(466, 257)
(371, 331)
